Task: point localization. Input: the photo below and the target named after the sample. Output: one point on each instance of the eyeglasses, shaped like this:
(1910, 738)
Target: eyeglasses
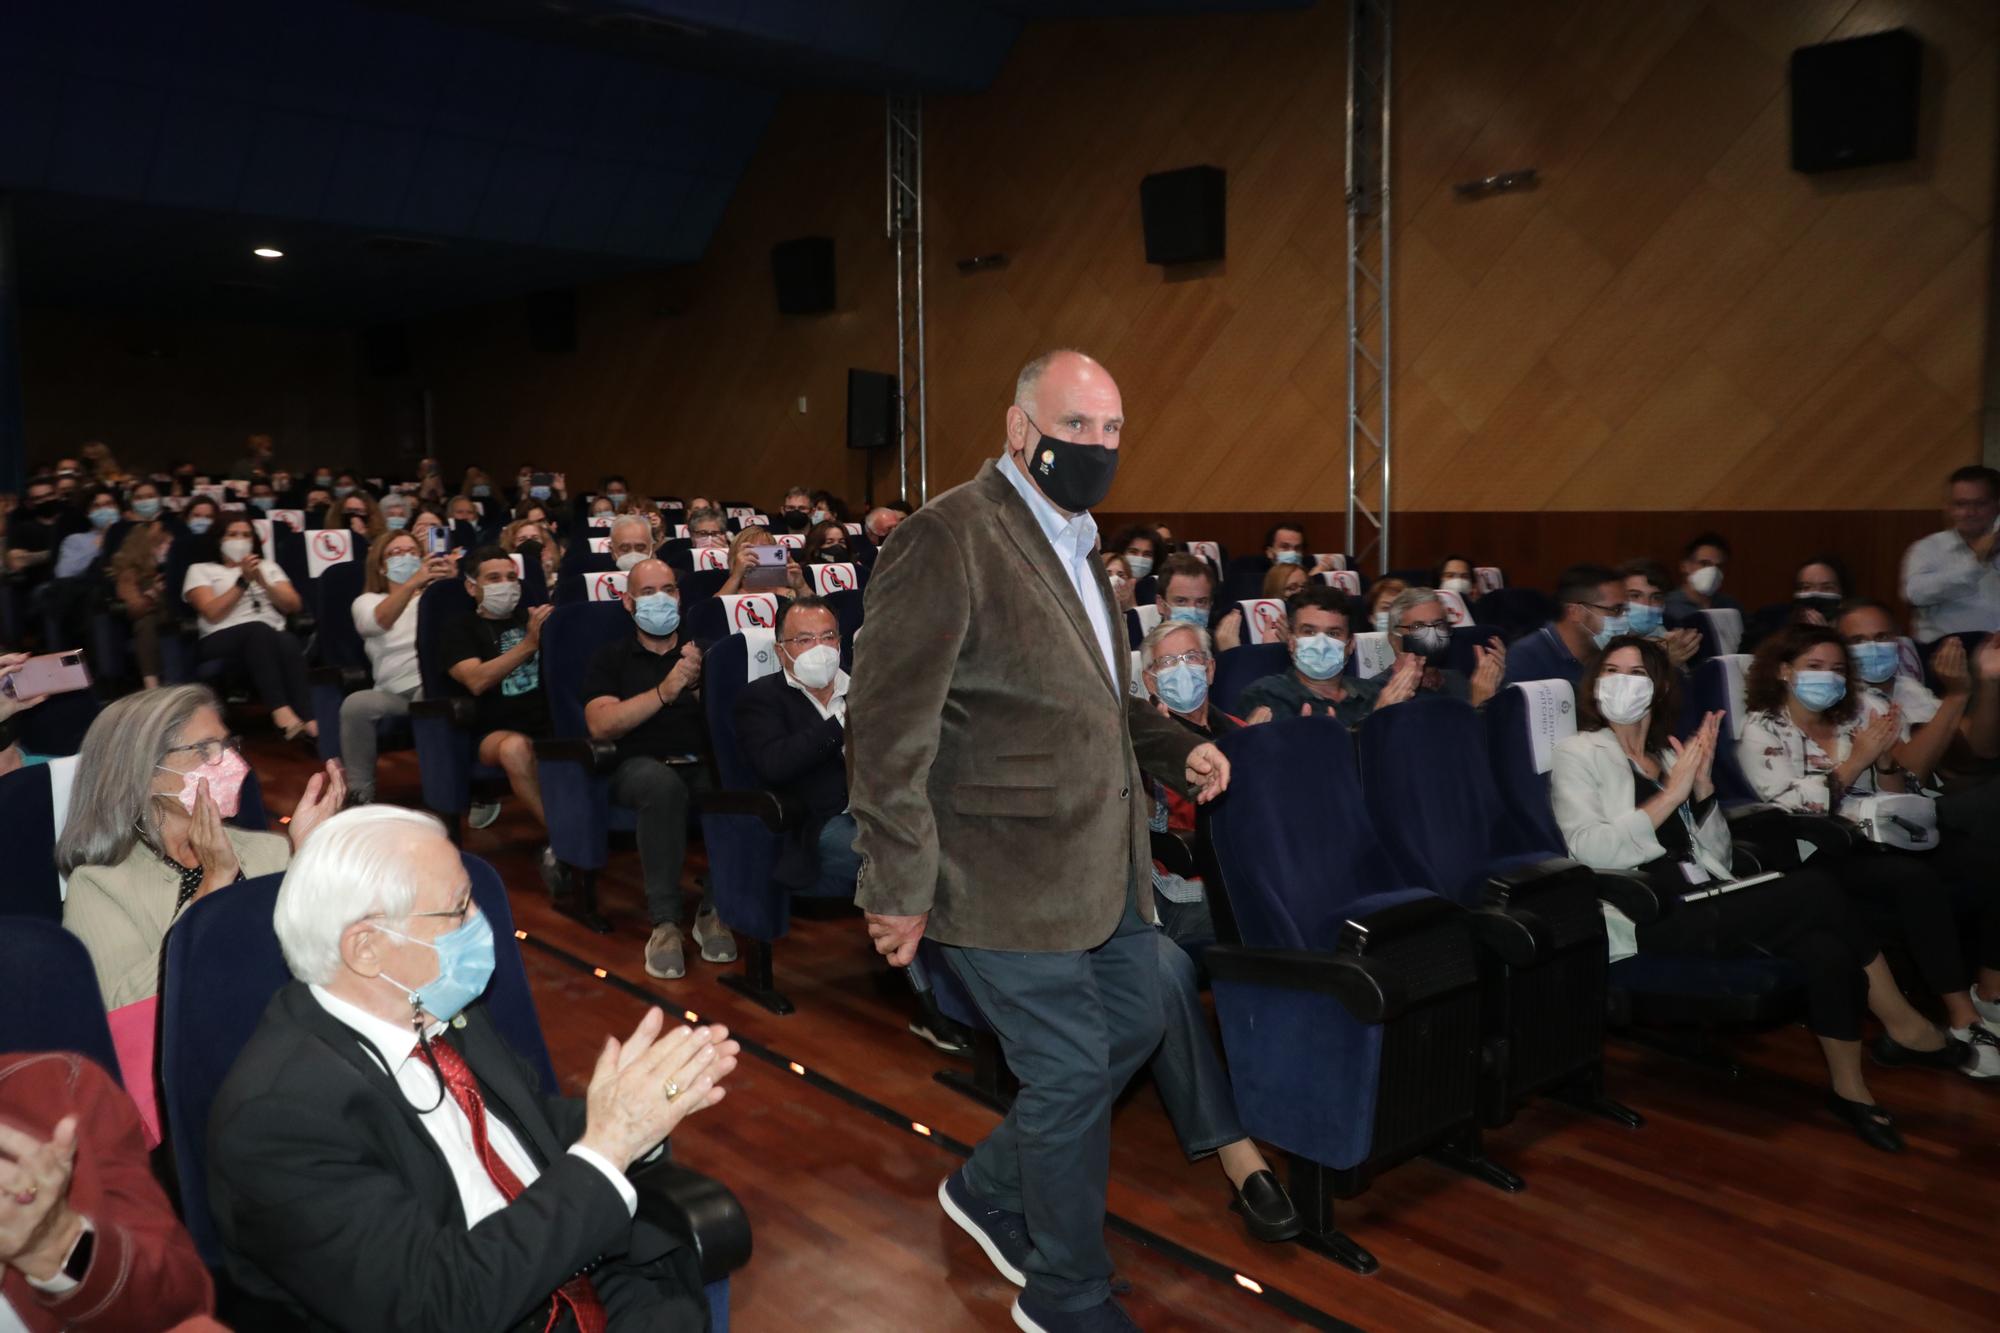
(1616, 609)
(457, 913)
(800, 643)
(1195, 658)
(1418, 626)
(210, 750)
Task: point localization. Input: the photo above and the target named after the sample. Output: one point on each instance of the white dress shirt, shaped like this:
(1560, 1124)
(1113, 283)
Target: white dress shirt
(1950, 590)
(836, 708)
(1075, 542)
(446, 1121)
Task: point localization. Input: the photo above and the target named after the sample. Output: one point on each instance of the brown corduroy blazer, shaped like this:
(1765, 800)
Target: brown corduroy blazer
(994, 768)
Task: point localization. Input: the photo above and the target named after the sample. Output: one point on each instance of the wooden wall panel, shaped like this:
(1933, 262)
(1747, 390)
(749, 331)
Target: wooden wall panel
(1673, 320)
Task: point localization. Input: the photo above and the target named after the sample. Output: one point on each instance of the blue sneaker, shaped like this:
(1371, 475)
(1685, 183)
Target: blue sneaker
(1107, 1317)
(1003, 1235)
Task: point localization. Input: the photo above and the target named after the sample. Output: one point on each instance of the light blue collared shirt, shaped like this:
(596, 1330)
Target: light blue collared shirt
(1075, 542)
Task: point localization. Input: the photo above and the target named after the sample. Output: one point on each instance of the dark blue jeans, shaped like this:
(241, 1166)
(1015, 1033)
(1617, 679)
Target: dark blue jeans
(1074, 1027)
(1193, 1085)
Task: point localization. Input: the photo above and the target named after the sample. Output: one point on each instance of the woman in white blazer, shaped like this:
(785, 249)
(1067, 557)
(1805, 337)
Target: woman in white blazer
(1629, 796)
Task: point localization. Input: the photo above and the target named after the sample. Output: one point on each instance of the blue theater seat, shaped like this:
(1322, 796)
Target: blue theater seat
(49, 999)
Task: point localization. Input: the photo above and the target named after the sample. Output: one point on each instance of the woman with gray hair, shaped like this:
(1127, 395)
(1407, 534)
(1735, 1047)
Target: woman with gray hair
(156, 777)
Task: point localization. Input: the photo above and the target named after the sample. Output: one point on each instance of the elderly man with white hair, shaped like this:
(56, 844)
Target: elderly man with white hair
(880, 522)
(631, 540)
(381, 1159)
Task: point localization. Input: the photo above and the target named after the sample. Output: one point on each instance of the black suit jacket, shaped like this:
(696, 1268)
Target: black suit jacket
(331, 1197)
(796, 753)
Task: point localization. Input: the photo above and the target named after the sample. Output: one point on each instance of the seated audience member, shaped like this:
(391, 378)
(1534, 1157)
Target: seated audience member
(1628, 796)
(792, 727)
(396, 511)
(31, 530)
(826, 544)
(494, 653)
(143, 502)
(1420, 627)
(739, 565)
(828, 507)
(1818, 586)
(382, 1158)
(80, 550)
(140, 590)
(1949, 577)
(631, 541)
(87, 1237)
(1119, 575)
(345, 483)
(1703, 562)
(1142, 548)
(703, 502)
(535, 539)
(156, 776)
(1814, 742)
(200, 516)
(1283, 580)
(795, 511)
(240, 601)
(1454, 574)
(645, 694)
(707, 527)
(385, 616)
(421, 524)
(1184, 591)
(1590, 612)
(600, 506)
(255, 459)
(1381, 595)
(1320, 638)
(263, 496)
(464, 509)
(615, 489)
(881, 521)
(1646, 587)
(99, 463)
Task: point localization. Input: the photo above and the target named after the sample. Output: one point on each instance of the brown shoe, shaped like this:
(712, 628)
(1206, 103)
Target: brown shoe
(664, 956)
(717, 945)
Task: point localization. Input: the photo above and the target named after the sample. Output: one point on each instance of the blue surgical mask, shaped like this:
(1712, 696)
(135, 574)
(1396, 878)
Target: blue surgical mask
(146, 509)
(1289, 558)
(1319, 656)
(402, 568)
(199, 524)
(1818, 691)
(465, 965)
(1183, 687)
(1140, 565)
(103, 516)
(261, 502)
(1612, 627)
(1189, 615)
(396, 522)
(617, 499)
(1644, 619)
(1874, 662)
(658, 613)
(538, 492)
(322, 479)
(342, 492)
(481, 492)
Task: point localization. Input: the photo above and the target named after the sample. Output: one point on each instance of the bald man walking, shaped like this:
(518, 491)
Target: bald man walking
(995, 761)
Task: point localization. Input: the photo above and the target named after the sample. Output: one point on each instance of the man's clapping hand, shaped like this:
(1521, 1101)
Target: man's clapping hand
(628, 1109)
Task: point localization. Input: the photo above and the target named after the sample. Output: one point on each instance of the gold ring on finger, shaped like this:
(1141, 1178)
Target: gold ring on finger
(673, 1089)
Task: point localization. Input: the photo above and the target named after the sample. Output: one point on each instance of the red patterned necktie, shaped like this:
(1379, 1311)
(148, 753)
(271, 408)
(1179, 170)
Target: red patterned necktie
(577, 1293)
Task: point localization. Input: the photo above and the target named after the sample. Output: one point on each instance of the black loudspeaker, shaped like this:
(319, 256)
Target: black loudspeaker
(1184, 214)
(1854, 103)
(385, 350)
(871, 409)
(552, 322)
(802, 269)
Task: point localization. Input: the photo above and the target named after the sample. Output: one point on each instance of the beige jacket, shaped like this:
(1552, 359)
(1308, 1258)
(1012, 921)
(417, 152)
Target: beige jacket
(121, 912)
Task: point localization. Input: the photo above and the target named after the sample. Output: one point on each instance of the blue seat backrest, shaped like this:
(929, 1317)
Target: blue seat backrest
(288, 548)
(1236, 668)
(58, 724)
(334, 592)
(1524, 793)
(700, 584)
(724, 676)
(223, 966)
(1514, 612)
(1293, 834)
(1710, 689)
(847, 609)
(570, 640)
(27, 826)
(437, 606)
(49, 999)
(1431, 794)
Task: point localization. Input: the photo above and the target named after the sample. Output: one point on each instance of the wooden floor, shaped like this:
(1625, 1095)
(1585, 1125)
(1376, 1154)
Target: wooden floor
(1740, 1205)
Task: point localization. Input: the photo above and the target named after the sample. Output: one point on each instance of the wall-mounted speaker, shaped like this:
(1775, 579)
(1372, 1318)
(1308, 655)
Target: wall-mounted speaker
(873, 407)
(802, 271)
(552, 322)
(1183, 213)
(1854, 103)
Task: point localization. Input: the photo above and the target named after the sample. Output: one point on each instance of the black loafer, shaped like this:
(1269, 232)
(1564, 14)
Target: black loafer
(1893, 1054)
(1876, 1126)
(1267, 1210)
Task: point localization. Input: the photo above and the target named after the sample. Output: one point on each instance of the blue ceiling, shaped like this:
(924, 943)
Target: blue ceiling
(422, 154)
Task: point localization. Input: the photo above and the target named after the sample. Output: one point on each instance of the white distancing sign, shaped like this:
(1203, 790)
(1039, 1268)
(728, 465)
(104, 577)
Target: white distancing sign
(840, 577)
(328, 546)
(750, 610)
(1263, 619)
(600, 546)
(607, 586)
(1551, 718)
(711, 557)
(1372, 654)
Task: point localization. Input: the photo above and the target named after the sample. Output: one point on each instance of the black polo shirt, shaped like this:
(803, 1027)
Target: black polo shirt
(626, 669)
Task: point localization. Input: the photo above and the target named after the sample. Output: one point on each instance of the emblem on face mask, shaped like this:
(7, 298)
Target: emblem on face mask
(1048, 461)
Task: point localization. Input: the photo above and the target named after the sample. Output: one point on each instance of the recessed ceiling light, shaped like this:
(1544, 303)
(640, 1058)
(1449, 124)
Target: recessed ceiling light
(266, 252)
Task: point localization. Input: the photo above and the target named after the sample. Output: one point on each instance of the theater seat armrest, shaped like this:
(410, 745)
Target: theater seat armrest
(457, 711)
(698, 1210)
(1633, 893)
(1368, 990)
(597, 756)
(777, 813)
(1522, 885)
(1517, 936)
(345, 679)
(302, 622)
(1775, 832)
(1172, 853)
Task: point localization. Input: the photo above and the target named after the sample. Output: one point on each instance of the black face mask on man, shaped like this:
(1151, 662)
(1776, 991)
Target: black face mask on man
(1074, 476)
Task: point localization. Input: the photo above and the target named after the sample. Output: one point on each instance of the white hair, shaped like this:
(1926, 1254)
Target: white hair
(397, 501)
(638, 521)
(1149, 647)
(354, 866)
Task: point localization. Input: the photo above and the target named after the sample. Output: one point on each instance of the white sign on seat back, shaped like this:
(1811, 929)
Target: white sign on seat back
(1551, 717)
(262, 527)
(757, 521)
(1454, 608)
(607, 586)
(328, 546)
(1372, 654)
(841, 577)
(1208, 551)
(1727, 622)
(520, 565)
(1263, 619)
(680, 529)
(295, 519)
(1334, 559)
(1735, 669)
(1488, 578)
(760, 652)
(853, 529)
(791, 540)
(746, 611)
(739, 513)
(601, 520)
(62, 774)
(1149, 616)
(600, 546)
(711, 557)
(1908, 661)
(1346, 580)
(1136, 686)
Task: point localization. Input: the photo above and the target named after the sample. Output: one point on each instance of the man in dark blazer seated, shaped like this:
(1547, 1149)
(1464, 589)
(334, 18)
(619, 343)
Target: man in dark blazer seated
(995, 761)
(380, 1159)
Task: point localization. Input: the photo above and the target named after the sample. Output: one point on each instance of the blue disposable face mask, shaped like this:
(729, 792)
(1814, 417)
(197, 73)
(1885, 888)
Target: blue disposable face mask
(342, 492)
(1644, 619)
(1319, 656)
(1183, 687)
(402, 568)
(481, 492)
(465, 965)
(262, 503)
(103, 516)
(1818, 691)
(617, 499)
(148, 509)
(538, 492)
(1612, 627)
(396, 522)
(1289, 558)
(1189, 615)
(199, 524)
(658, 613)
(1874, 662)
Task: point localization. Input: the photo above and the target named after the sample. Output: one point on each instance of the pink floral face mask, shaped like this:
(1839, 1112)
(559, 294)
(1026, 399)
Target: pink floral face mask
(225, 782)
